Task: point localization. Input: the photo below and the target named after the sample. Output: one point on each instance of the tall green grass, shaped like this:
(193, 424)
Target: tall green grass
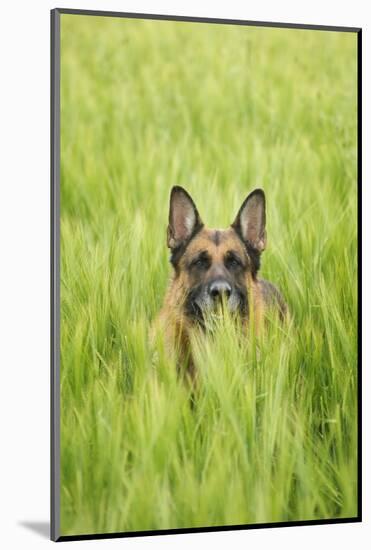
(272, 431)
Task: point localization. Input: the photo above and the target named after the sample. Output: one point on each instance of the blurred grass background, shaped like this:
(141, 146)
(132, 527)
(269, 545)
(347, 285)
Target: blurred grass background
(220, 110)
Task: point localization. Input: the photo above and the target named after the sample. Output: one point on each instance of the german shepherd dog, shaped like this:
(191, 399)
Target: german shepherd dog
(214, 267)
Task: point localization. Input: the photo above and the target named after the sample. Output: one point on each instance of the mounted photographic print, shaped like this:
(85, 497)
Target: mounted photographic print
(205, 269)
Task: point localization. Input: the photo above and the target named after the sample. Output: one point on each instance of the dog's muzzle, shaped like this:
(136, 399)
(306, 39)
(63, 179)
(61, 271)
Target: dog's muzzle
(217, 294)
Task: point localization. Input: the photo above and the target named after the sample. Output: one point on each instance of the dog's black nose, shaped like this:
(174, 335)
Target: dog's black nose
(220, 288)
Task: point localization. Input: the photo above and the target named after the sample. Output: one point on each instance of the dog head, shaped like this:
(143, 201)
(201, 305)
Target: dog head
(215, 265)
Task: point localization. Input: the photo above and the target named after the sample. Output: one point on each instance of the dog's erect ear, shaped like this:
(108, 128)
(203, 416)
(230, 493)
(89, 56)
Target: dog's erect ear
(184, 220)
(250, 221)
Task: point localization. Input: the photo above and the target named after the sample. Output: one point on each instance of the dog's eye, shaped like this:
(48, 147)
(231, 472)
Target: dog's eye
(232, 262)
(202, 263)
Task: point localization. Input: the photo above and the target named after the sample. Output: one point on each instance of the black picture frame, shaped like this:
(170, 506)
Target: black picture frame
(55, 269)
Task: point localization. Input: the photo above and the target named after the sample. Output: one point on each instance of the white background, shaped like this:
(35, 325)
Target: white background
(24, 269)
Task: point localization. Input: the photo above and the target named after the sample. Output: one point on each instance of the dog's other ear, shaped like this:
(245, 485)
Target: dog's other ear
(250, 221)
(184, 220)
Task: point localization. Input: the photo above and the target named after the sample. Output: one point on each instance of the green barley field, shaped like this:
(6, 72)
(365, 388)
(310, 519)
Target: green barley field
(271, 435)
